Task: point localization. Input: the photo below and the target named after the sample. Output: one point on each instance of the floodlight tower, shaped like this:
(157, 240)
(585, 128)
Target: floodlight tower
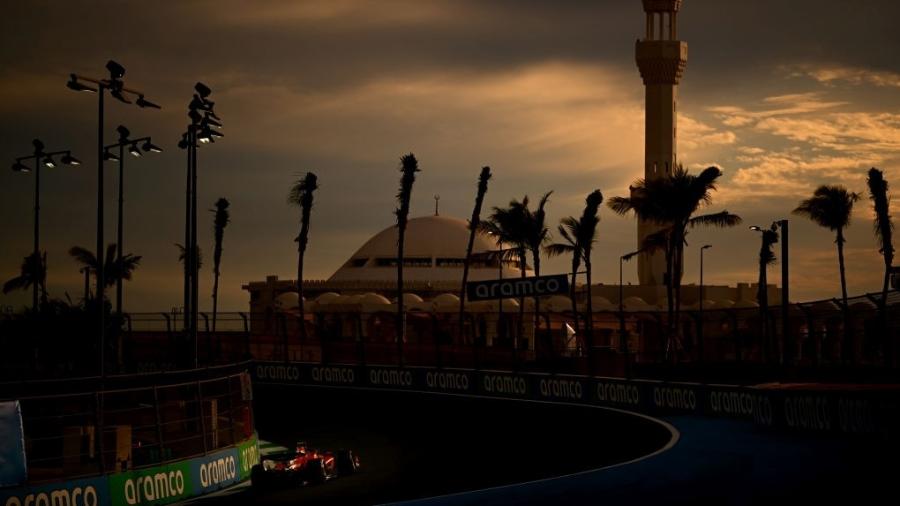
(661, 58)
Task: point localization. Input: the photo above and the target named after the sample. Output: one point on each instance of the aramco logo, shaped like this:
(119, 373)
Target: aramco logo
(218, 471)
(618, 393)
(277, 372)
(509, 385)
(249, 457)
(77, 496)
(335, 375)
(561, 389)
(675, 398)
(447, 380)
(742, 404)
(390, 377)
(154, 487)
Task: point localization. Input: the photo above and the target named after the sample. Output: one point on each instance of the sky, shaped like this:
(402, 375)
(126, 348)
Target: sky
(783, 96)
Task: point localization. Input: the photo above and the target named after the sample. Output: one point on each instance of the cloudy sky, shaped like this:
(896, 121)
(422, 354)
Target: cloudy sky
(783, 96)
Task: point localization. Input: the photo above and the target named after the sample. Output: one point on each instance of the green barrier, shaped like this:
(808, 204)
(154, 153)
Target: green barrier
(155, 485)
(248, 453)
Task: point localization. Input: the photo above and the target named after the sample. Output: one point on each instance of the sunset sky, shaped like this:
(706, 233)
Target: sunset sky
(782, 95)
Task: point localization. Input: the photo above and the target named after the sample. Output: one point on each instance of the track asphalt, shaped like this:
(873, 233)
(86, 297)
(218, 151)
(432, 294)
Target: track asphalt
(443, 450)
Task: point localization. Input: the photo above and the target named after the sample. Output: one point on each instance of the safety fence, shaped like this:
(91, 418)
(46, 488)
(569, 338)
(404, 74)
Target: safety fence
(868, 412)
(83, 434)
(818, 335)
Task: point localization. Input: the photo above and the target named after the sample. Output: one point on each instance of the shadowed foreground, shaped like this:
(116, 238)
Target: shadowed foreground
(415, 446)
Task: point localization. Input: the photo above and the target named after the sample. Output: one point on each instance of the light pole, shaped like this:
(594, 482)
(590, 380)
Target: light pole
(202, 129)
(116, 88)
(148, 147)
(768, 237)
(785, 294)
(700, 325)
(46, 159)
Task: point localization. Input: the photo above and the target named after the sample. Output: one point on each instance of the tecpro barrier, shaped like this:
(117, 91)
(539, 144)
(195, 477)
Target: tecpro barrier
(163, 484)
(851, 411)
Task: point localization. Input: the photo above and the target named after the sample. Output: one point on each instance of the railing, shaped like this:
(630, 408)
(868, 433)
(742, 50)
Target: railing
(819, 335)
(89, 433)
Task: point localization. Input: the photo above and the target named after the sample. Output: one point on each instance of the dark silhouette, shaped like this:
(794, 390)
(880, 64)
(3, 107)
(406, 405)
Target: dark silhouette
(538, 234)
(32, 274)
(115, 269)
(580, 235)
(182, 254)
(766, 258)
(831, 207)
(408, 168)
(671, 203)
(220, 221)
(474, 225)
(884, 229)
(302, 195)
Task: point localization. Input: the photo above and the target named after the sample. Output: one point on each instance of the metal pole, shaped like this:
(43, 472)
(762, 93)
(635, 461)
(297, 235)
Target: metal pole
(195, 264)
(37, 229)
(187, 243)
(785, 296)
(119, 228)
(101, 303)
(622, 338)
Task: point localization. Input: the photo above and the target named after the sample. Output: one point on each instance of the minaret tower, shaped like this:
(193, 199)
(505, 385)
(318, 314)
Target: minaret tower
(661, 58)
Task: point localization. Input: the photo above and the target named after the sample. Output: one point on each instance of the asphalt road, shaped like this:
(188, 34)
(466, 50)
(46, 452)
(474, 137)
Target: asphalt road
(437, 450)
(416, 446)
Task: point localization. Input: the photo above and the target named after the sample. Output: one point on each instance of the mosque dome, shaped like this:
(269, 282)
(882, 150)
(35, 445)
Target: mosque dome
(434, 250)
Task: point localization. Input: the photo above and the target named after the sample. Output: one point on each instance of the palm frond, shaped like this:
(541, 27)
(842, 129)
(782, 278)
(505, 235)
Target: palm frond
(721, 219)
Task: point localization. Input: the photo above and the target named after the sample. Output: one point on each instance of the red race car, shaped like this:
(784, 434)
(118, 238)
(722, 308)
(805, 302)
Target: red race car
(302, 467)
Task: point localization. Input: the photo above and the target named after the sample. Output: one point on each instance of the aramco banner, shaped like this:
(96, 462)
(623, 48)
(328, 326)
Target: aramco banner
(517, 287)
(12, 451)
(163, 484)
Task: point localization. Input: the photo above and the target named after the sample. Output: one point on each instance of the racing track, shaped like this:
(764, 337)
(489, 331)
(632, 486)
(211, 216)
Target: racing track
(423, 445)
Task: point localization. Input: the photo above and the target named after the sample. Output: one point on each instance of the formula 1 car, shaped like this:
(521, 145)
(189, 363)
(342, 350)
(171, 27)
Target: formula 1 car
(304, 466)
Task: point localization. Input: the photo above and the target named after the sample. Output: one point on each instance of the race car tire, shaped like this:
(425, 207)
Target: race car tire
(315, 471)
(345, 462)
(258, 476)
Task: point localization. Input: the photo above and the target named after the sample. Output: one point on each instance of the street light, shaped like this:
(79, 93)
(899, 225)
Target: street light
(768, 236)
(40, 158)
(116, 88)
(201, 129)
(124, 140)
(700, 326)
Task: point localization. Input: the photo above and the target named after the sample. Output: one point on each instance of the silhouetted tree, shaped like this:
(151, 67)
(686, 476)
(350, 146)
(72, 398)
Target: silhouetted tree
(182, 253)
(884, 229)
(766, 258)
(474, 225)
(408, 168)
(113, 267)
(568, 230)
(33, 271)
(220, 221)
(301, 195)
(671, 202)
(830, 207)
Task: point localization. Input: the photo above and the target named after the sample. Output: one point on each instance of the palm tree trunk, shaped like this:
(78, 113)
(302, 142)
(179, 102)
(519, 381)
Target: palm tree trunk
(589, 321)
(678, 265)
(401, 316)
(536, 320)
(302, 313)
(887, 338)
(521, 324)
(465, 279)
(572, 291)
(670, 309)
(847, 353)
(215, 298)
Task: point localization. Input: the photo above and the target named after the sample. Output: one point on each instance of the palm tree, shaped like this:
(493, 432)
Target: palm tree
(579, 236)
(884, 228)
(671, 202)
(114, 268)
(830, 207)
(538, 234)
(568, 230)
(474, 224)
(33, 272)
(408, 168)
(301, 195)
(219, 223)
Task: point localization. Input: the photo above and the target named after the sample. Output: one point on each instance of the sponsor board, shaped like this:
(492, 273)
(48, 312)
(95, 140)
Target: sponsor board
(743, 403)
(562, 388)
(248, 455)
(517, 287)
(277, 372)
(505, 385)
(620, 394)
(154, 485)
(391, 377)
(89, 492)
(675, 398)
(449, 381)
(215, 471)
